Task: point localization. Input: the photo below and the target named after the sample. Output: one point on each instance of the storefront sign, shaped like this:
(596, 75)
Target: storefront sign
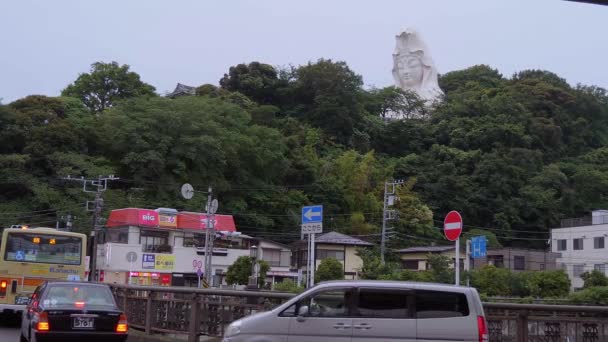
(147, 217)
(169, 221)
(148, 261)
(164, 262)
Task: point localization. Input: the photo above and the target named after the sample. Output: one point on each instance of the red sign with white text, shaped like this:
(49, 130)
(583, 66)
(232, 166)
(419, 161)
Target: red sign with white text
(146, 217)
(452, 225)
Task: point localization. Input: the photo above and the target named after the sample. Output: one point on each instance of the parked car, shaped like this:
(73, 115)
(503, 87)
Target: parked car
(62, 311)
(369, 311)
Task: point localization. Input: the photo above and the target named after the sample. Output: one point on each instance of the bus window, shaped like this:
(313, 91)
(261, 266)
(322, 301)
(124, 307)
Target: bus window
(41, 248)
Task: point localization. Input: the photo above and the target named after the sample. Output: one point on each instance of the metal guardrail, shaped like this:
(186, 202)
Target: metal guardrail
(196, 312)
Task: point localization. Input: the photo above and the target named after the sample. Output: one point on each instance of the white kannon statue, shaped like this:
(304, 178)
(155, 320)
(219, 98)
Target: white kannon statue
(413, 67)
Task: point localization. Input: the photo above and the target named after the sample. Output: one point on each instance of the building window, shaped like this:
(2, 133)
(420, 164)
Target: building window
(496, 260)
(561, 245)
(519, 263)
(194, 240)
(327, 253)
(542, 267)
(600, 267)
(272, 256)
(578, 244)
(154, 242)
(598, 242)
(577, 270)
(410, 265)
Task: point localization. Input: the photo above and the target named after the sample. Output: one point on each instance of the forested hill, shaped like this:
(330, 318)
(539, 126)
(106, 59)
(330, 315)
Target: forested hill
(513, 155)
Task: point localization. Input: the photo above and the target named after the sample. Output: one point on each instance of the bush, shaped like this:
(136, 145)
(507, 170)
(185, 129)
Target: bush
(593, 295)
(550, 284)
(594, 278)
(288, 285)
(329, 269)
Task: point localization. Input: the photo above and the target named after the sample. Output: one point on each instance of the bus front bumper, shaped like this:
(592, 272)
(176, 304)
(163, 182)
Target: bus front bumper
(11, 308)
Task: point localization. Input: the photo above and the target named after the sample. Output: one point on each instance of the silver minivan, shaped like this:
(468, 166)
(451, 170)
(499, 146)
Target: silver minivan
(369, 311)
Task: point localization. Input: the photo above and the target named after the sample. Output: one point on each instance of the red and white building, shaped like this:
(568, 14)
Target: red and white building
(164, 247)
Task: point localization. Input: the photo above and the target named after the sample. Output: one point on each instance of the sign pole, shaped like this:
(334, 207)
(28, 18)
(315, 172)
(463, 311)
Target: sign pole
(467, 261)
(312, 260)
(457, 280)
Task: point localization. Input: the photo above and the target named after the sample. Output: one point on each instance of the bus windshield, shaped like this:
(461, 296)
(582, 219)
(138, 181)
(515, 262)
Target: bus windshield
(43, 248)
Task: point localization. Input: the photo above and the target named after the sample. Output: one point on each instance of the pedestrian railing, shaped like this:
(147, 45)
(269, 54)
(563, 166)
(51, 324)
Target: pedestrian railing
(196, 312)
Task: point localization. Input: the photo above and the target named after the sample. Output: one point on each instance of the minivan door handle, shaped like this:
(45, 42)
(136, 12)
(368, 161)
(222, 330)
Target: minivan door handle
(363, 326)
(341, 326)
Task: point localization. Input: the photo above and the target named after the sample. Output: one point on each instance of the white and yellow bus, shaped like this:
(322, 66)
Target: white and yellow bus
(29, 256)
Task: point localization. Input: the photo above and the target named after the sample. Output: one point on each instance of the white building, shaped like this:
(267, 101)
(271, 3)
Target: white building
(165, 248)
(582, 245)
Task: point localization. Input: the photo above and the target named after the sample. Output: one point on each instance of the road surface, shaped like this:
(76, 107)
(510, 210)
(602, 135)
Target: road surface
(9, 331)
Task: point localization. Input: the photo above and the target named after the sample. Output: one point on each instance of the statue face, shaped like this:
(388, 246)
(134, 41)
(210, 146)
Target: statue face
(410, 71)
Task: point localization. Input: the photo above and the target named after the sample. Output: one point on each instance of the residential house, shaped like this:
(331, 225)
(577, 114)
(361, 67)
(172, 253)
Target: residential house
(332, 245)
(517, 259)
(416, 258)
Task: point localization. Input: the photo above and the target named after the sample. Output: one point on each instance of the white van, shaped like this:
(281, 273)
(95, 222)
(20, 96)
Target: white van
(366, 311)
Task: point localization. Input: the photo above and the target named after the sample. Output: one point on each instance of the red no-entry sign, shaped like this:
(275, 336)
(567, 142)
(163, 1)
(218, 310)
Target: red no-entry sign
(452, 225)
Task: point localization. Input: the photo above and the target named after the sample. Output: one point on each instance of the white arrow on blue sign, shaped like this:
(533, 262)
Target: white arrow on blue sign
(312, 214)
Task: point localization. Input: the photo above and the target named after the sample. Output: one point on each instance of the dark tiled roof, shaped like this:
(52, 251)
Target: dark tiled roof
(340, 239)
(182, 89)
(427, 249)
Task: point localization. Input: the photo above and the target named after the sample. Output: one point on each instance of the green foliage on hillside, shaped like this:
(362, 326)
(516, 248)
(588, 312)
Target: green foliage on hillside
(513, 155)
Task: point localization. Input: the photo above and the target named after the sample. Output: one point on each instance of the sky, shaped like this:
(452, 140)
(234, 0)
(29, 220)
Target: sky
(45, 45)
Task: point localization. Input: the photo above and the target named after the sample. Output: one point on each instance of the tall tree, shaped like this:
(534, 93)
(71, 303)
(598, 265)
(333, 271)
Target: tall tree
(105, 84)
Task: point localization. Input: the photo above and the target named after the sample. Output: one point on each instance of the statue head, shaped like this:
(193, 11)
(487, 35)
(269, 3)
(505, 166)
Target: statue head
(413, 68)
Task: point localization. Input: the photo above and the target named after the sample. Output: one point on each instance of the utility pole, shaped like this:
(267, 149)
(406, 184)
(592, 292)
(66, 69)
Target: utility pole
(209, 235)
(97, 186)
(388, 214)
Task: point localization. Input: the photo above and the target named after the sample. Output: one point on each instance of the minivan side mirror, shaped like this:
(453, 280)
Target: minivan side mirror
(302, 311)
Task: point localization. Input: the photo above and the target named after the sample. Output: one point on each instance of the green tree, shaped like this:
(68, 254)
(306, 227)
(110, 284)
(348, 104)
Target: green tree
(591, 296)
(105, 84)
(329, 269)
(550, 284)
(256, 80)
(242, 268)
(594, 278)
(492, 281)
(440, 268)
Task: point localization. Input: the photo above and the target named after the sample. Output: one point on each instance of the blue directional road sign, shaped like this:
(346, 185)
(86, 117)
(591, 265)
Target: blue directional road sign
(312, 214)
(478, 247)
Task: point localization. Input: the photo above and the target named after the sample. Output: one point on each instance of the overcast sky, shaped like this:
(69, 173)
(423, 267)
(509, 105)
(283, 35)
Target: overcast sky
(45, 44)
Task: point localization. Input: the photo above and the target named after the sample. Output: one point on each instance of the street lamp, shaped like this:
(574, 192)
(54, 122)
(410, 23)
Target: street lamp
(253, 279)
(253, 252)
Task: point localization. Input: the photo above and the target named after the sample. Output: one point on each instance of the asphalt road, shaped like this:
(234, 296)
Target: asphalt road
(9, 330)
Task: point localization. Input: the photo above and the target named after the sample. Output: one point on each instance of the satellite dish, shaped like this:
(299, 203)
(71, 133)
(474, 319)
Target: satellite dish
(213, 208)
(187, 191)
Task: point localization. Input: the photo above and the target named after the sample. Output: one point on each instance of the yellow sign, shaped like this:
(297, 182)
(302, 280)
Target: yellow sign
(38, 270)
(167, 221)
(164, 262)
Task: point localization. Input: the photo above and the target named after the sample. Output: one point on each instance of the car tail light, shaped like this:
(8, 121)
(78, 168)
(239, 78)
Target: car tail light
(482, 328)
(43, 322)
(122, 325)
(79, 304)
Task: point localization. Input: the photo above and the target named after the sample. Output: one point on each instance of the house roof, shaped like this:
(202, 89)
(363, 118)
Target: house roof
(426, 249)
(182, 89)
(336, 238)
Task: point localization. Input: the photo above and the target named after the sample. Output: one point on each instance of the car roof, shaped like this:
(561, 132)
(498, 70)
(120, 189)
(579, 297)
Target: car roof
(395, 284)
(75, 283)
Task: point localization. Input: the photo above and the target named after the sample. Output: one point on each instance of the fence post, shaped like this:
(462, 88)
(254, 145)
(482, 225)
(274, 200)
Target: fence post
(125, 294)
(194, 324)
(522, 326)
(148, 327)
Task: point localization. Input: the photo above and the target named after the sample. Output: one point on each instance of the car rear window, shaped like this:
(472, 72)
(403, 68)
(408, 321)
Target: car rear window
(78, 294)
(437, 304)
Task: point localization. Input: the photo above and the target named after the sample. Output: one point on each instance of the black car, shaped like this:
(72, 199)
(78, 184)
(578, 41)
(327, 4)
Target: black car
(65, 311)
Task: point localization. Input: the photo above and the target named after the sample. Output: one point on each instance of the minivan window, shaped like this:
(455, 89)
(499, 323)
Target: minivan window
(326, 303)
(381, 303)
(436, 304)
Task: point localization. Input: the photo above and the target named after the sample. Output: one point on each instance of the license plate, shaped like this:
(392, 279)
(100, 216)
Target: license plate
(83, 323)
(22, 300)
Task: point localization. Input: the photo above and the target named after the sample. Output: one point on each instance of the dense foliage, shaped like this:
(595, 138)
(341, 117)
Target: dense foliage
(513, 155)
(239, 272)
